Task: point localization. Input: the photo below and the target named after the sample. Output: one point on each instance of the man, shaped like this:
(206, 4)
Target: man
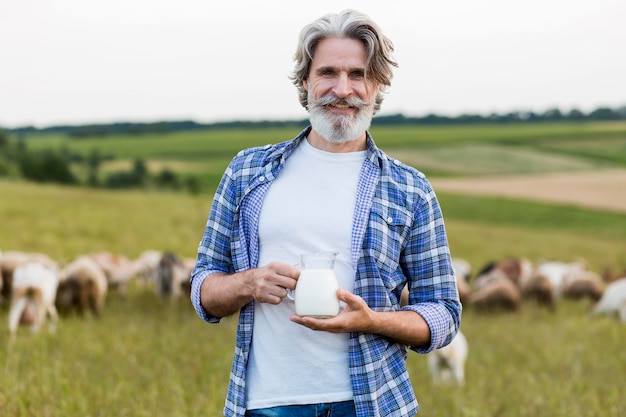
(329, 189)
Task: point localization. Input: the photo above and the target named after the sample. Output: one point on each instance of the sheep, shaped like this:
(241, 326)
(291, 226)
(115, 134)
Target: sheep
(118, 269)
(495, 291)
(447, 364)
(613, 300)
(558, 272)
(584, 284)
(514, 268)
(149, 263)
(34, 287)
(83, 287)
(173, 276)
(11, 260)
(539, 289)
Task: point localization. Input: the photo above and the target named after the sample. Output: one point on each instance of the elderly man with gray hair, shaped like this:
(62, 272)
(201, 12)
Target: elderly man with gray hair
(328, 189)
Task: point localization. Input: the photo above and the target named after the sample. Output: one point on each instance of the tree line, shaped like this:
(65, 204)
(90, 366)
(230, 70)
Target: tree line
(102, 130)
(55, 166)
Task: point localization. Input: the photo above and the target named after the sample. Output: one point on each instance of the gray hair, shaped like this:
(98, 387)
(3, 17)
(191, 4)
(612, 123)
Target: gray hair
(347, 24)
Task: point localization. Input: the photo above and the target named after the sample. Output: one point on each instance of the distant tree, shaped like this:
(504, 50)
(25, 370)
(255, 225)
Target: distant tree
(129, 179)
(47, 166)
(94, 159)
(166, 178)
(4, 145)
(139, 170)
(193, 185)
(4, 140)
(4, 167)
(603, 113)
(552, 115)
(576, 115)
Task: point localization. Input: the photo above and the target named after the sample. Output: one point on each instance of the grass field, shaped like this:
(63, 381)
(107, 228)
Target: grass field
(146, 357)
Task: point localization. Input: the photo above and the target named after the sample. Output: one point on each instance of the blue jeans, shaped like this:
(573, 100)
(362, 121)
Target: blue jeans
(340, 409)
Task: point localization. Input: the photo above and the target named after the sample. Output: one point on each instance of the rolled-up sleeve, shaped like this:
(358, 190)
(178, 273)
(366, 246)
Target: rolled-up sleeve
(433, 292)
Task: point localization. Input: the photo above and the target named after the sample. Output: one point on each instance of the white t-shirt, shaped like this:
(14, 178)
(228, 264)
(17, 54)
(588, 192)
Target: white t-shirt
(289, 363)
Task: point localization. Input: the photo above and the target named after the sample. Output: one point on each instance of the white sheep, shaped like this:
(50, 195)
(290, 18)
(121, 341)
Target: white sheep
(34, 286)
(447, 364)
(559, 272)
(11, 260)
(613, 300)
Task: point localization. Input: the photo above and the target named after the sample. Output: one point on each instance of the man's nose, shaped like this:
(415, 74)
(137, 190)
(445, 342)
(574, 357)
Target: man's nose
(343, 87)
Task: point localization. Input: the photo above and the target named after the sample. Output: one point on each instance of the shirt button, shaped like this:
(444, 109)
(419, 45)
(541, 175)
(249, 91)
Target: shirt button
(389, 220)
(261, 178)
(396, 161)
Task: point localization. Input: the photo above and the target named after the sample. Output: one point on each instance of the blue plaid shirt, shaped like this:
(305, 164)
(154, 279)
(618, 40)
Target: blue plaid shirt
(398, 238)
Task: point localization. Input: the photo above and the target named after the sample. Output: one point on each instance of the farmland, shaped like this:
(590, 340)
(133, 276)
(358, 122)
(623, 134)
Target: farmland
(147, 357)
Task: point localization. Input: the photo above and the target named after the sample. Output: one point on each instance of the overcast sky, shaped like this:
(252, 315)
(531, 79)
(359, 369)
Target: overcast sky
(88, 61)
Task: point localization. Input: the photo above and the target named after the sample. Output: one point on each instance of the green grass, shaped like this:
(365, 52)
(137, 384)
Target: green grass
(144, 357)
(68, 221)
(533, 363)
(535, 216)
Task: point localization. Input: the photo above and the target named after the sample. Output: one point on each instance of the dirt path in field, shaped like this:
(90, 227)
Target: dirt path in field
(605, 189)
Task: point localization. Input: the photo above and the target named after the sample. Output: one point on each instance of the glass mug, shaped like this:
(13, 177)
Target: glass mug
(316, 291)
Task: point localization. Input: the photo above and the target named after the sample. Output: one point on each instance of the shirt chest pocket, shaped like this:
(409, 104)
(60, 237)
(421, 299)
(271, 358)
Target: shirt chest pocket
(389, 229)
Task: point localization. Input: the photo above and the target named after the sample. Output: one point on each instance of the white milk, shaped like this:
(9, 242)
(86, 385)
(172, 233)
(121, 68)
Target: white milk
(316, 293)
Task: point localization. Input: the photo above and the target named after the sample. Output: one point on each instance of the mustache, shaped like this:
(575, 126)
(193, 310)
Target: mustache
(332, 100)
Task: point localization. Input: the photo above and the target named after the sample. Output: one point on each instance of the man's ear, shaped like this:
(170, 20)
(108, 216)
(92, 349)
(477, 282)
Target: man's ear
(305, 84)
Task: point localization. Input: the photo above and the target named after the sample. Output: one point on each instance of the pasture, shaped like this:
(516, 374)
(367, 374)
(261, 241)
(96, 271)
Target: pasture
(147, 357)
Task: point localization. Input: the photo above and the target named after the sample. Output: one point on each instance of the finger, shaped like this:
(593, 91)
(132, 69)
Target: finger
(291, 272)
(279, 292)
(346, 296)
(274, 299)
(284, 269)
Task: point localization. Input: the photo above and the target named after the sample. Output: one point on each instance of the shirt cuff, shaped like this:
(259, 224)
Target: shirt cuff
(438, 320)
(196, 284)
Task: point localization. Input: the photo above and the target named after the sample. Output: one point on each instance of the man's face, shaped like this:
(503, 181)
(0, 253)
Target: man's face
(341, 101)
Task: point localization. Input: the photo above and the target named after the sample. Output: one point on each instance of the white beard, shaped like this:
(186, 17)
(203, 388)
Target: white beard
(339, 128)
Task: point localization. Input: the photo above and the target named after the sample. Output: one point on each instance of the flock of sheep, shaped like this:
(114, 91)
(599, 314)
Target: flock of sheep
(505, 284)
(35, 286)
